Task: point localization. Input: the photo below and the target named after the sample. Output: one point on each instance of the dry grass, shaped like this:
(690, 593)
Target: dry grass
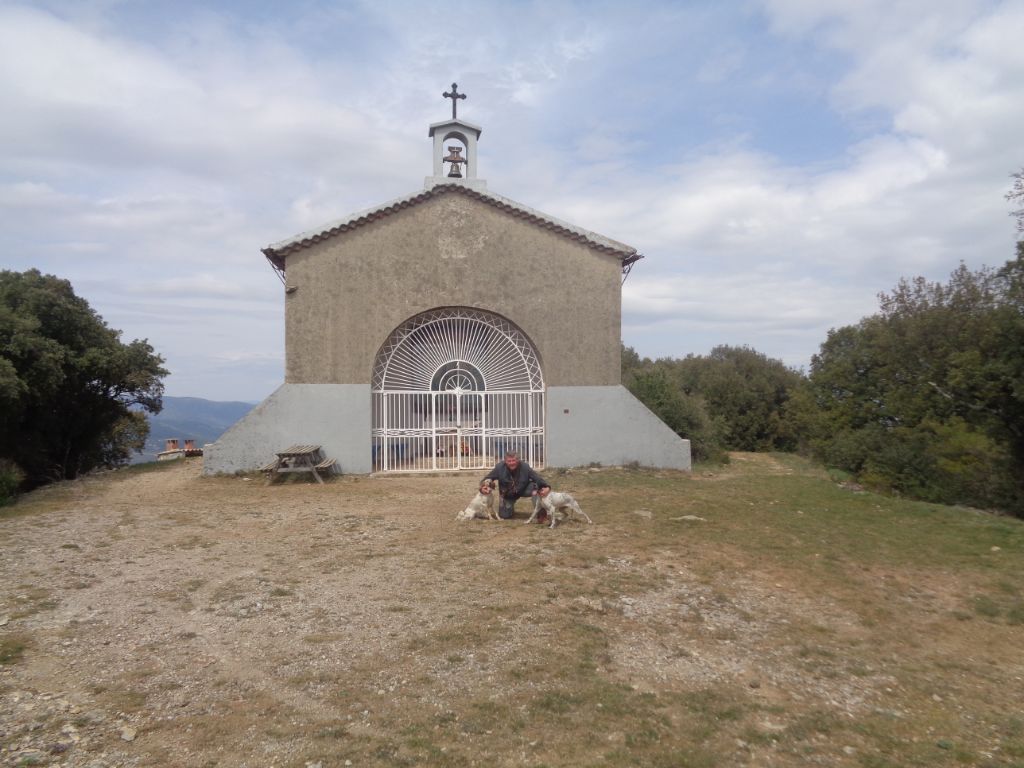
(795, 623)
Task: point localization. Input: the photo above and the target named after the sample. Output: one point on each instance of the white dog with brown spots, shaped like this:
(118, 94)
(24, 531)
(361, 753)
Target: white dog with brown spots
(482, 505)
(558, 506)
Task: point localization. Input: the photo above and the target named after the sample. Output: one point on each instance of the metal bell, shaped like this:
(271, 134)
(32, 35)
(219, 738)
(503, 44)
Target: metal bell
(456, 159)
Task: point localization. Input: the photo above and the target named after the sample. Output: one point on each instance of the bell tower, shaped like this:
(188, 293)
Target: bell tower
(450, 165)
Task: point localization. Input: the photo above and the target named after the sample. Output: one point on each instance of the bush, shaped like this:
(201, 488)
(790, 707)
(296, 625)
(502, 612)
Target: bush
(850, 449)
(746, 392)
(11, 478)
(684, 414)
(949, 463)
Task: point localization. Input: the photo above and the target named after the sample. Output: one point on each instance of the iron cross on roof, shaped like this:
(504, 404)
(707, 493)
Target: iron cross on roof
(454, 96)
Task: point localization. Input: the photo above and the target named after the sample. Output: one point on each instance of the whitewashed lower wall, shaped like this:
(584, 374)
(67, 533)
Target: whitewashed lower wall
(585, 425)
(334, 416)
(609, 426)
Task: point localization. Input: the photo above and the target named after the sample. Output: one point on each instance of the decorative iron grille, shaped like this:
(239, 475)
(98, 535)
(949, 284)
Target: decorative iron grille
(455, 389)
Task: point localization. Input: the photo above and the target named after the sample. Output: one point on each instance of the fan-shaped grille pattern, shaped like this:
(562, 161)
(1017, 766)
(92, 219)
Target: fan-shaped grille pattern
(488, 344)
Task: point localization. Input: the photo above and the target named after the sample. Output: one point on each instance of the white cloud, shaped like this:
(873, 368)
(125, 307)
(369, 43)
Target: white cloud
(789, 316)
(148, 164)
(23, 195)
(194, 285)
(721, 65)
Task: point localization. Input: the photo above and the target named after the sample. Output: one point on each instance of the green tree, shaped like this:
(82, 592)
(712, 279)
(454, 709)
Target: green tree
(70, 391)
(927, 396)
(631, 363)
(653, 384)
(686, 415)
(748, 392)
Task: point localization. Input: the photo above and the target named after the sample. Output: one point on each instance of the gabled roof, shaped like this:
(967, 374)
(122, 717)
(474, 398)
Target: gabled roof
(277, 252)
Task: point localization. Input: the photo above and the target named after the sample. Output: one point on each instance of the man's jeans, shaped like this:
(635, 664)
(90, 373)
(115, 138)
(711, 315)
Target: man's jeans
(507, 504)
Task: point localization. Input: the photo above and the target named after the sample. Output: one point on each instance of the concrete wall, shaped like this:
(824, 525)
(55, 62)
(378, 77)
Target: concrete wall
(334, 416)
(608, 425)
(354, 289)
(605, 424)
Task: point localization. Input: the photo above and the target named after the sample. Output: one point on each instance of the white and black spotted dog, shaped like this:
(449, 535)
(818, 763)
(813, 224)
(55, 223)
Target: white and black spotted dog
(557, 505)
(482, 505)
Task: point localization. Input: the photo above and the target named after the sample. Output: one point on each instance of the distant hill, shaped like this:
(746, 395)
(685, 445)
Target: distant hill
(190, 418)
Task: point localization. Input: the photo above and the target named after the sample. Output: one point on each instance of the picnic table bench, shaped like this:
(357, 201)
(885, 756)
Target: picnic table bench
(299, 458)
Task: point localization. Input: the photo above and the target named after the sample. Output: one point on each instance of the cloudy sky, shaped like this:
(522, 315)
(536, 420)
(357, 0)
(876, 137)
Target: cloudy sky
(778, 162)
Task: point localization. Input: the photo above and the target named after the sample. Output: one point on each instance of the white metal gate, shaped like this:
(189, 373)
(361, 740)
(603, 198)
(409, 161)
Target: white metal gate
(455, 389)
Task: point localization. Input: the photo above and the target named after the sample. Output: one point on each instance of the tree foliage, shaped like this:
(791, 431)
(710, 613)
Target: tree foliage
(70, 391)
(685, 414)
(1016, 196)
(926, 397)
(748, 392)
(734, 398)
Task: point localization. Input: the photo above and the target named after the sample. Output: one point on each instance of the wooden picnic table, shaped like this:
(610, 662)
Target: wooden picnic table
(299, 458)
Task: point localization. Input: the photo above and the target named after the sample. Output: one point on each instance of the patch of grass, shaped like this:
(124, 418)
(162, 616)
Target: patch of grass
(985, 606)
(647, 734)
(48, 498)
(141, 673)
(714, 704)
(193, 541)
(145, 467)
(868, 528)
(809, 651)
(1005, 604)
(331, 733)
(1008, 588)
(177, 598)
(321, 637)
(231, 590)
(29, 600)
(313, 678)
(123, 698)
(817, 723)
(12, 648)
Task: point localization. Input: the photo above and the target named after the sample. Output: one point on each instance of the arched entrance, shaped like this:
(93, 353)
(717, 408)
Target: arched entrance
(456, 388)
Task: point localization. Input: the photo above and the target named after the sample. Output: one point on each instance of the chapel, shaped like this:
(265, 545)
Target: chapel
(437, 331)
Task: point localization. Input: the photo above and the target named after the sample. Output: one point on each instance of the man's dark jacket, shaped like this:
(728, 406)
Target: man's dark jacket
(513, 485)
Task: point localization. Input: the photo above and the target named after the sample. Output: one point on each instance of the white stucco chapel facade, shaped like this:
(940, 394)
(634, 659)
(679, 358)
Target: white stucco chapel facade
(441, 329)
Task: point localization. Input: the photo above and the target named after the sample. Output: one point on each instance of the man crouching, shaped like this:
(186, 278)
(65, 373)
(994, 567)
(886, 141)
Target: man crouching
(516, 479)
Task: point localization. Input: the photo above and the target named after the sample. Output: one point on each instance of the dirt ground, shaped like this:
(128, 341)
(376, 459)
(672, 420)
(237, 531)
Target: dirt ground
(162, 618)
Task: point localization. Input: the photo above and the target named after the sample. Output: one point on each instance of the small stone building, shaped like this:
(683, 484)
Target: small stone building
(441, 329)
